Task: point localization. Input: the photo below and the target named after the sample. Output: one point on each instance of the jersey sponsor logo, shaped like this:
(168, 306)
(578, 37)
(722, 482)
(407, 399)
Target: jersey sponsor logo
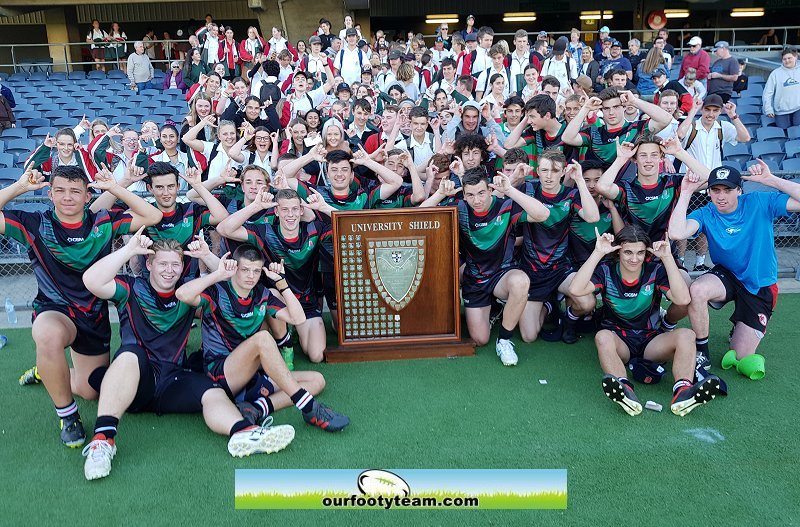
(167, 225)
(732, 230)
(246, 315)
(651, 198)
(171, 304)
(630, 295)
(75, 240)
(484, 224)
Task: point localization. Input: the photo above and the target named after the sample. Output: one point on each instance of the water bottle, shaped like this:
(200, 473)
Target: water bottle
(3, 341)
(11, 313)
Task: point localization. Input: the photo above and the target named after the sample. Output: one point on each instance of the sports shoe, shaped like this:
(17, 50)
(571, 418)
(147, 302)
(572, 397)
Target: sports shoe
(250, 412)
(688, 398)
(622, 394)
(325, 418)
(287, 352)
(72, 433)
(505, 350)
(702, 268)
(264, 439)
(98, 454)
(702, 367)
(568, 332)
(31, 376)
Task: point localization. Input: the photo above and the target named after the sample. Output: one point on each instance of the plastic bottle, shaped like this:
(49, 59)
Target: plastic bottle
(3, 341)
(11, 313)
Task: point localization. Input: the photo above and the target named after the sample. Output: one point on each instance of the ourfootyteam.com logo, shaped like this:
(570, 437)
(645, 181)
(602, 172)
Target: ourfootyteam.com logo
(384, 489)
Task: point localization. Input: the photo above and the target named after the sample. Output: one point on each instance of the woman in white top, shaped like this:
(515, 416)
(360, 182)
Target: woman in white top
(495, 95)
(260, 150)
(216, 153)
(118, 48)
(348, 24)
(97, 37)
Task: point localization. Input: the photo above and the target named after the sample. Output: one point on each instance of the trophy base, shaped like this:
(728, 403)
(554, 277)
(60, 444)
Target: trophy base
(395, 351)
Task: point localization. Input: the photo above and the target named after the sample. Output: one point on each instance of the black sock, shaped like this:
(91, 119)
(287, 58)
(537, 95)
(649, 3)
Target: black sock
(284, 340)
(702, 345)
(549, 307)
(303, 400)
(570, 315)
(106, 425)
(239, 426)
(505, 334)
(266, 405)
(67, 411)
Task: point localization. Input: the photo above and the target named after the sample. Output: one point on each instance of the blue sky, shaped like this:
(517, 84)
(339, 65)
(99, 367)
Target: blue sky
(474, 481)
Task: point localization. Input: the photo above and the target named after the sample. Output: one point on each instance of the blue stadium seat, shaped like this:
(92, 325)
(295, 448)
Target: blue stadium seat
(177, 104)
(771, 133)
(138, 112)
(173, 92)
(115, 99)
(768, 151)
(105, 83)
(792, 148)
(750, 119)
(117, 74)
(767, 121)
(108, 114)
(149, 93)
(747, 109)
(773, 166)
(77, 75)
(151, 104)
(730, 163)
(3, 75)
(28, 115)
(96, 74)
(23, 107)
(35, 123)
(42, 131)
(116, 88)
(756, 79)
(49, 107)
(793, 132)
(73, 107)
(39, 102)
(35, 76)
(14, 133)
(138, 99)
(56, 114)
(65, 122)
(98, 106)
(91, 88)
(124, 106)
(70, 88)
(17, 146)
(6, 160)
(125, 121)
(164, 111)
(58, 76)
(178, 119)
(49, 88)
(5, 182)
(158, 119)
(739, 152)
(791, 165)
(17, 77)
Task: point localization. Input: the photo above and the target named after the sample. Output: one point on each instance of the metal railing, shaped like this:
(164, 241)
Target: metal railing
(45, 62)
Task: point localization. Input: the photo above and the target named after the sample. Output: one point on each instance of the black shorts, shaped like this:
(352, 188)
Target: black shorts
(329, 289)
(752, 310)
(310, 306)
(545, 282)
(93, 331)
(166, 388)
(636, 340)
(480, 294)
(260, 385)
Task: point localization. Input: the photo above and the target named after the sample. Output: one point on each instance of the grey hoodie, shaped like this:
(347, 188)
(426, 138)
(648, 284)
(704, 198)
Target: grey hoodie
(782, 91)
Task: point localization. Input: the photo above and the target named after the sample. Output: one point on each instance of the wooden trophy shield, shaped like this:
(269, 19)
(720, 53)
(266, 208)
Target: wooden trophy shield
(397, 285)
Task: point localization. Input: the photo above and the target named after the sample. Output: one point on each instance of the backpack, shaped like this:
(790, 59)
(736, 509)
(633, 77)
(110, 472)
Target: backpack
(360, 59)
(508, 81)
(693, 134)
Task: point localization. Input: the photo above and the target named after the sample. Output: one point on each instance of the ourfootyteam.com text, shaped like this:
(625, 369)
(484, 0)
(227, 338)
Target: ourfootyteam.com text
(387, 502)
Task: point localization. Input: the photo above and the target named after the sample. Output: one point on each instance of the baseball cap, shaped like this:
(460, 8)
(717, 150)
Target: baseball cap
(658, 72)
(361, 43)
(605, 29)
(393, 55)
(305, 74)
(314, 40)
(713, 100)
(584, 82)
(471, 16)
(542, 35)
(343, 87)
(351, 32)
(615, 43)
(721, 44)
(472, 37)
(439, 39)
(725, 176)
(695, 41)
(646, 371)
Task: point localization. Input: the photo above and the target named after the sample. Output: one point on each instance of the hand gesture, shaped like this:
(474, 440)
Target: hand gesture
(448, 147)
(697, 104)
(319, 153)
(135, 173)
(605, 243)
(436, 124)
(228, 174)
(360, 156)
(457, 167)
(84, 123)
(491, 142)
(759, 172)
(278, 180)
(202, 79)
(486, 111)
(690, 183)
(671, 145)
(49, 142)
(669, 168)
(661, 248)
(32, 180)
(193, 175)
(626, 149)
(209, 120)
(275, 271)
(139, 244)
(198, 248)
(227, 267)
(574, 172)
(626, 97)
(405, 159)
(448, 188)
(264, 199)
(103, 179)
(115, 131)
(500, 183)
(314, 201)
(730, 109)
(273, 137)
(593, 104)
(248, 131)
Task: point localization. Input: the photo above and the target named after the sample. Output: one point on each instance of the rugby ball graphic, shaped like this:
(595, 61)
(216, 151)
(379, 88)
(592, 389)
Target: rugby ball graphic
(382, 483)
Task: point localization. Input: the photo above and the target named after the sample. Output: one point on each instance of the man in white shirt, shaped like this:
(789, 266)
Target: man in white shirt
(210, 52)
(481, 60)
(349, 61)
(520, 58)
(484, 86)
(389, 77)
(704, 138)
(560, 65)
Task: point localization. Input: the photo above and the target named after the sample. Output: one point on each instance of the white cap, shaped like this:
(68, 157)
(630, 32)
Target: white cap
(695, 41)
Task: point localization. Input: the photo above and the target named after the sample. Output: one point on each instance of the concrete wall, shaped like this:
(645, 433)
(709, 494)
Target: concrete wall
(301, 17)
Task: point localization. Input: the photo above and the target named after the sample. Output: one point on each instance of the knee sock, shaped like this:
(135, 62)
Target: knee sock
(505, 334)
(680, 383)
(303, 400)
(67, 411)
(570, 314)
(702, 345)
(285, 340)
(105, 427)
(265, 405)
(239, 426)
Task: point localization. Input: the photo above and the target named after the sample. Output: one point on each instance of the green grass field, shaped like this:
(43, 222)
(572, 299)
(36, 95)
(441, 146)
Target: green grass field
(732, 462)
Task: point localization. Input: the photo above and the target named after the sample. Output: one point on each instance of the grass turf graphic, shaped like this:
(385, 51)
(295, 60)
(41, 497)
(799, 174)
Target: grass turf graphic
(726, 463)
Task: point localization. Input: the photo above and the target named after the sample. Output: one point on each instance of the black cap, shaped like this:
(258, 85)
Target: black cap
(361, 43)
(351, 32)
(725, 176)
(713, 100)
(343, 87)
(471, 37)
(658, 72)
(395, 55)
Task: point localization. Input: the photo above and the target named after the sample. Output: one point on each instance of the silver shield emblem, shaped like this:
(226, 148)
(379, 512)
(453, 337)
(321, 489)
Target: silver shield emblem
(397, 268)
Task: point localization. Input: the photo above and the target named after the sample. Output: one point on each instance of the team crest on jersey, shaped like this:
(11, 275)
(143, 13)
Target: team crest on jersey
(565, 205)
(648, 289)
(762, 318)
(262, 310)
(95, 232)
(185, 221)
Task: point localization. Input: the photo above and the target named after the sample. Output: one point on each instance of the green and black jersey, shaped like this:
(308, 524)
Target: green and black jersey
(631, 306)
(582, 237)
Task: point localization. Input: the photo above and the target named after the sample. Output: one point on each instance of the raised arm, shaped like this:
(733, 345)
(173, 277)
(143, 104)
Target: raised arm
(106, 200)
(446, 189)
(30, 181)
(672, 146)
(143, 214)
(232, 227)
(189, 293)
(217, 210)
(686, 125)
(293, 312)
(534, 209)
(680, 227)
(514, 139)
(760, 173)
(589, 210)
(190, 138)
(99, 278)
(390, 182)
(582, 281)
(678, 292)
(605, 185)
(571, 135)
(659, 118)
(742, 134)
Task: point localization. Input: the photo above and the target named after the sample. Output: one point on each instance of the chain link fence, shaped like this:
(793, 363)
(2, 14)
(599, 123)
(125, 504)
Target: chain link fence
(18, 284)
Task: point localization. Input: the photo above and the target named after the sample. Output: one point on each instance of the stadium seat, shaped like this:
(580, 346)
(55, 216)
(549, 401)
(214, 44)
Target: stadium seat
(58, 76)
(3, 75)
(767, 121)
(18, 77)
(747, 109)
(38, 102)
(748, 118)
(753, 90)
(149, 93)
(768, 151)
(158, 119)
(791, 165)
(28, 115)
(739, 152)
(115, 99)
(748, 100)
(98, 106)
(109, 114)
(17, 146)
(35, 123)
(70, 88)
(116, 74)
(123, 106)
(23, 107)
(125, 120)
(793, 132)
(27, 89)
(116, 88)
(14, 133)
(756, 79)
(49, 88)
(138, 112)
(65, 122)
(151, 104)
(105, 83)
(49, 107)
(730, 163)
(5, 182)
(164, 111)
(177, 104)
(42, 132)
(792, 148)
(56, 114)
(6, 160)
(178, 119)
(173, 92)
(773, 166)
(77, 75)
(96, 74)
(73, 107)
(771, 133)
(91, 88)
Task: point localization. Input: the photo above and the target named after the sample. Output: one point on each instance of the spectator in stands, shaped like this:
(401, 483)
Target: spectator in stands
(167, 47)
(193, 67)
(769, 38)
(140, 69)
(302, 50)
(575, 46)
(704, 139)
(470, 29)
(148, 40)
(661, 44)
(662, 82)
(781, 97)
(724, 72)
(117, 49)
(616, 61)
(348, 24)
(600, 47)
(589, 66)
(696, 58)
(696, 89)
(324, 33)
(336, 46)
(209, 48)
(560, 66)
(7, 119)
(664, 33)
(230, 57)
(174, 79)
(635, 55)
(740, 84)
(210, 85)
(6, 92)
(278, 43)
(201, 106)
(350, 60)
(215, 152)
(181, 48)
(98, 38)
(654, 62)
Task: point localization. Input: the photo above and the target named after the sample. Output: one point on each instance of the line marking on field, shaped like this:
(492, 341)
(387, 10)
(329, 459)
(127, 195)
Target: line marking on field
(706, 435)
